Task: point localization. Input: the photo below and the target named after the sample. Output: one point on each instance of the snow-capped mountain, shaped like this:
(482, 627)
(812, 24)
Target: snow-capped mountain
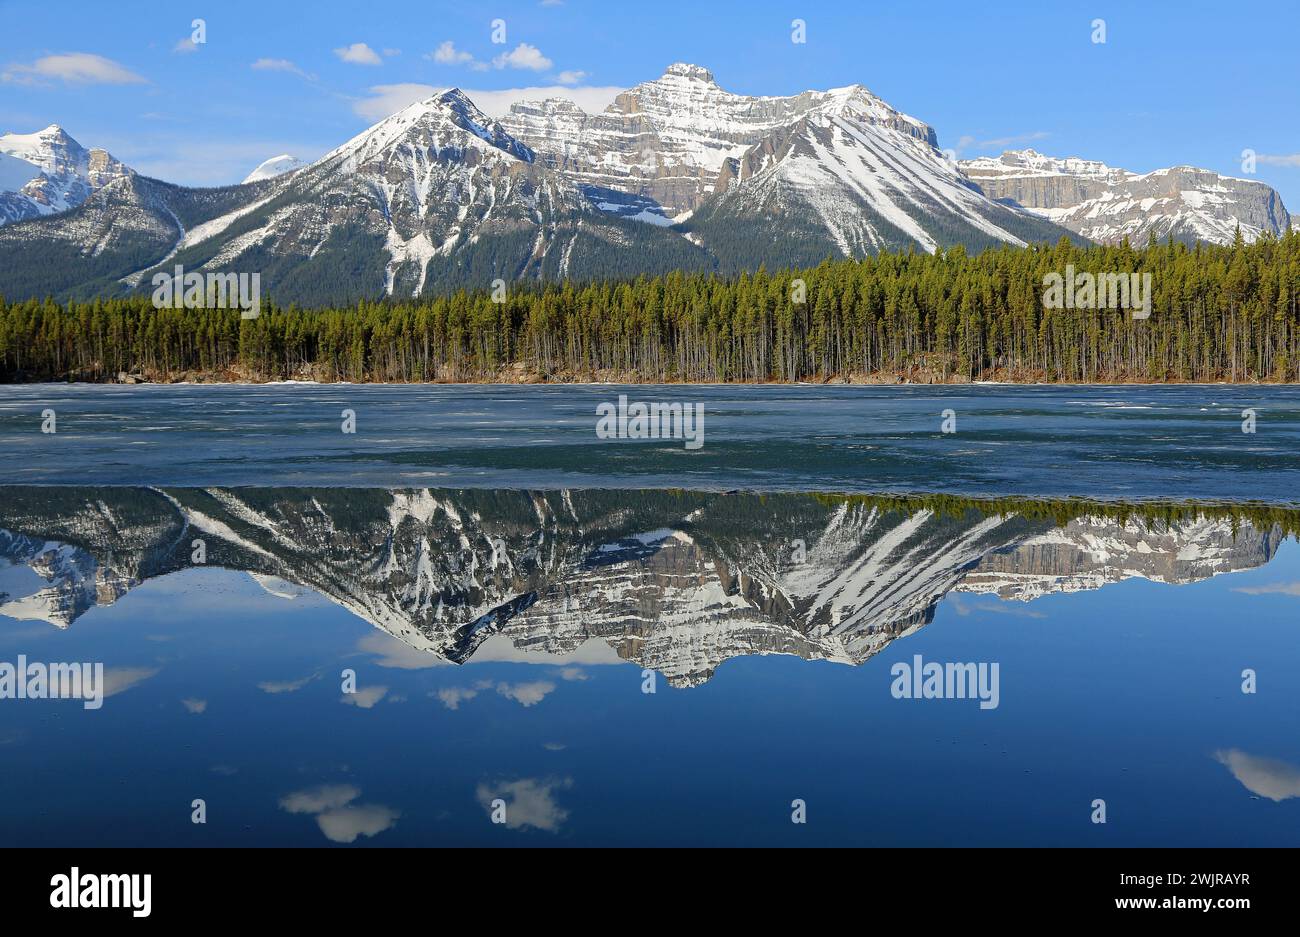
(47, 172)
(677, 174)
(440, 195)
(275, 166)
(1107, 205)
(677, 582)
(841, 171)
(434, 196)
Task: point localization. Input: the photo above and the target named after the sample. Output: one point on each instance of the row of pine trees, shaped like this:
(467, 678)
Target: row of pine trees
(1218, 313)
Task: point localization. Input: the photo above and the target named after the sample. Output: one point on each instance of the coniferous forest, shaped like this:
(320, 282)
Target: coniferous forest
(1219, 313)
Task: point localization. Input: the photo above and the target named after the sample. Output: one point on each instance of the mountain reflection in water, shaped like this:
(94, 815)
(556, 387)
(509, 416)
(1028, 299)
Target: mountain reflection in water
(675, 581)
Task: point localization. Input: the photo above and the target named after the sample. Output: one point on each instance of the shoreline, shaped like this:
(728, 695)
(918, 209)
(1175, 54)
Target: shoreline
(512, 380)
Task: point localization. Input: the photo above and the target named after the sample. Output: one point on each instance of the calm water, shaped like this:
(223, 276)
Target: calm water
(474, 609)
(1106, 443)
(503, 641)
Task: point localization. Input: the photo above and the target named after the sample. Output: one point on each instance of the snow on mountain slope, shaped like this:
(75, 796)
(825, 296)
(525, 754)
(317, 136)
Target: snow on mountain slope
(665, 140)
(275, 166)
(408, 203)
(65, 173)
(843, 162)
(1107, 205)
(872, 179)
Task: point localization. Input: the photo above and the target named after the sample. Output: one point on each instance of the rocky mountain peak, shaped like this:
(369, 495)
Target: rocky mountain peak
(48, 171)
(690, 72)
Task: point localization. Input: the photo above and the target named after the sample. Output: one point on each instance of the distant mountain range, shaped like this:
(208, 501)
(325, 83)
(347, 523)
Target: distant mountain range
(1107, 205)
(676, 174)
(676, 581)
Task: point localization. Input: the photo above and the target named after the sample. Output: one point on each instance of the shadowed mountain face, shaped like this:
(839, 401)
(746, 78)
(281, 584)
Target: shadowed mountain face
(676, 581)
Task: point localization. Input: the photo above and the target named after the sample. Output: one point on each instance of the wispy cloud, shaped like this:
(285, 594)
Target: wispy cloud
(74, 68)
(1271, 588)
(120, 679)
(195, 706)
(993, 608)
(285, 686)
(359, 54)
(281, 65)
(186, 46)
(968, 141)
(1272, 159)
(448, 54)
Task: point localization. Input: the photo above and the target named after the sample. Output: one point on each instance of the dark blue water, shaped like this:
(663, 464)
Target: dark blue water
(1138, 442)
(1130, 694)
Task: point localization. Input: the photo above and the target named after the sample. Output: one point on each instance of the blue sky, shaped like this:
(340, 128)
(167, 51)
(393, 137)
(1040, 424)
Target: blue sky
(1174, 83)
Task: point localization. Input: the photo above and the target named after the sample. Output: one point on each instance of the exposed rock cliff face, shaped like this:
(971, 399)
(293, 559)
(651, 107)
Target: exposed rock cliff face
(838, 171)
(1107, 205)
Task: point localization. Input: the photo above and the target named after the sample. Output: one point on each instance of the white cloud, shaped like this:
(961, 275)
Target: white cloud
(530, 802)
(345, 824)
(318, 799)
(195, 706)
(365, 699)
(1267, 777)
(571, 78)
(338, 818)
(448, 54)
(526, 694)
(186, 45)
(359, 54)
(1292, 160)
(523, 56)
(453, 696)
(385, 100)
(573, 673)
(78, 68)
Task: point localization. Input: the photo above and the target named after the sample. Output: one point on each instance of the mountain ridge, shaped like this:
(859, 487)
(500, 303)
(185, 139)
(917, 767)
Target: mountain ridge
(676, 174)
